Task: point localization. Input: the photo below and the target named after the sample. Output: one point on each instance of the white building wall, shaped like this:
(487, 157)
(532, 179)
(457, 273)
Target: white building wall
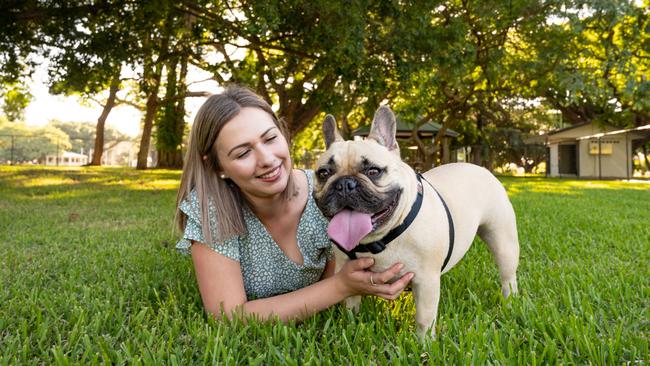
(607, 165)
(553, 160)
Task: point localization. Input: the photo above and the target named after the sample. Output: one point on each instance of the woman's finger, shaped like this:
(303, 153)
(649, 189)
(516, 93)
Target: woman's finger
(391, 291)
(389, 274)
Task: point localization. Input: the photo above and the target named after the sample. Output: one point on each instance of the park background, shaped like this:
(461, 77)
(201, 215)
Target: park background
(88, 270)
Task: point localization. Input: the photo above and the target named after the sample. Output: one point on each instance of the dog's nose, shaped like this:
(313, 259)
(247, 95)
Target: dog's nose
(346, 185)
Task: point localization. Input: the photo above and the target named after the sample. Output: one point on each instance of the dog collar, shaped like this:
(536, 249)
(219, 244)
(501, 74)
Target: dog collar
(378, 246)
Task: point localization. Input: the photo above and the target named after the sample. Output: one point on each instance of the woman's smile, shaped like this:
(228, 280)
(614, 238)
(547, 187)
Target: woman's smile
(272, 175)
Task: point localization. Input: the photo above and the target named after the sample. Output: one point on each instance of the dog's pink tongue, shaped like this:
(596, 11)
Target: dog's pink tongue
(347, 228)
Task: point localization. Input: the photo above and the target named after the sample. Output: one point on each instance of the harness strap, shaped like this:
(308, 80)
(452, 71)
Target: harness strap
(450, 220)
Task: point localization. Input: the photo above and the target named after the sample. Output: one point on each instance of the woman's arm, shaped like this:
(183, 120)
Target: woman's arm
(330, 267)
(222, 287)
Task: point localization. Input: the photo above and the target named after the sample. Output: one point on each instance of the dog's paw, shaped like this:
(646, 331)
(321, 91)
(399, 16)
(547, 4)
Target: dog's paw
(509, 288)
(353, 303)
(426, 333)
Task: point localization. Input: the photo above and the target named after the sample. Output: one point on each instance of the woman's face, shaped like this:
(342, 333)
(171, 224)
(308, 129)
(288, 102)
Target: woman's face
(254, 154)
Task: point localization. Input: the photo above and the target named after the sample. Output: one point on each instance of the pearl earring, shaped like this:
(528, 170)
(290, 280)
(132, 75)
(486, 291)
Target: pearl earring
(222, 176)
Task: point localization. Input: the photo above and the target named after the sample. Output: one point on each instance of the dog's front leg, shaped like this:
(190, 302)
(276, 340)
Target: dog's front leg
(426, 291)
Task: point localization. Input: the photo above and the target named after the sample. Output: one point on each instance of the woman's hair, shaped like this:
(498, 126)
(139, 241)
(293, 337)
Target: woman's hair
(202, 175)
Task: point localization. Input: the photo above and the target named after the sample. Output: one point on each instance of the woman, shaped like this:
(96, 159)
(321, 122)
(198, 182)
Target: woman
(258, 241)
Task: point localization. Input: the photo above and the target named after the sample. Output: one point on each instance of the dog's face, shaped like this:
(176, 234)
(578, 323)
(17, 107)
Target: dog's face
(366, 176)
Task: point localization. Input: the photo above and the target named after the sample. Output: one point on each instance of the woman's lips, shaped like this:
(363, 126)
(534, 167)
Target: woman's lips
(272, 175)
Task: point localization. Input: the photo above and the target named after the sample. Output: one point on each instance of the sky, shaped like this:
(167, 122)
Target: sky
(126, 119)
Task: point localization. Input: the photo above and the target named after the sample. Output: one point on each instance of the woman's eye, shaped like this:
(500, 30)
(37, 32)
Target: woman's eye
(373, 172)
(271, 138)
(243, 154)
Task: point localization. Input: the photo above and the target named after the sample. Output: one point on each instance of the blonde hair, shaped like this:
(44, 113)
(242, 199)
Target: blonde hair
(201, 174)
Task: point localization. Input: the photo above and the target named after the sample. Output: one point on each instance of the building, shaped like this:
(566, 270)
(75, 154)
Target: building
(590, 150)
(66, 158)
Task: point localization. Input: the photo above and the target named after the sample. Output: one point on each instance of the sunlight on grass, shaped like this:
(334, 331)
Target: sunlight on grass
(568, 186)
(170, 184)
(46, 181)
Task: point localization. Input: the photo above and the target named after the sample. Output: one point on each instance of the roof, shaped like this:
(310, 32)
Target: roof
(404, 130)
(567, 128)
(641, 129)
(540, 139)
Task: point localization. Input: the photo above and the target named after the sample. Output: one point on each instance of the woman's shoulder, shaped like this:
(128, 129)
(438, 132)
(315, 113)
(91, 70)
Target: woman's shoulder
(309, 173)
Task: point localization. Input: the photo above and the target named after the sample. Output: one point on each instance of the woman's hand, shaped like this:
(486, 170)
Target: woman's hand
(356, 279)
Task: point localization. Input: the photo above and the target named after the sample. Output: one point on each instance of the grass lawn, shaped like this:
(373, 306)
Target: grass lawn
(88, 275)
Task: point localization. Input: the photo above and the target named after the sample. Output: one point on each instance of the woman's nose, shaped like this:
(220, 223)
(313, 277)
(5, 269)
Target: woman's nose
(265, 156)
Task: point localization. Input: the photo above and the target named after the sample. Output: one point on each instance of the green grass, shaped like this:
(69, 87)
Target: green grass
(88, 275)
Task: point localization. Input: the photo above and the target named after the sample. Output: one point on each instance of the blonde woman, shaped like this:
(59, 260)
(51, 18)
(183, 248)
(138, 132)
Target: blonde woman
(258, 242)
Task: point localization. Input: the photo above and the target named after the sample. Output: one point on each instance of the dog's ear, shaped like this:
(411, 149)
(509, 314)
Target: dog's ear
(330, 131)
(384, 128)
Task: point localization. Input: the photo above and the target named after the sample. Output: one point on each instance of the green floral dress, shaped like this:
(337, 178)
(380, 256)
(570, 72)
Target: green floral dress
(266, 270)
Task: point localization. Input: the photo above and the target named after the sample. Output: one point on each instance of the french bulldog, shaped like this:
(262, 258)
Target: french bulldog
(378, 206)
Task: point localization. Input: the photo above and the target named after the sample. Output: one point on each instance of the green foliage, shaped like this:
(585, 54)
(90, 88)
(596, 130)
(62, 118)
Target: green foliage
(592, 64)
(308, 144)
(88, 275)
(28, 144)
(15, 99)
(82, 135)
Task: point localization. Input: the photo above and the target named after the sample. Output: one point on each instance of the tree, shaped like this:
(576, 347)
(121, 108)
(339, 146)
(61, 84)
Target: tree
(167, 38)
(23, 144)
(88, 59)
(457, 72)
(591, 63)
(170, 123)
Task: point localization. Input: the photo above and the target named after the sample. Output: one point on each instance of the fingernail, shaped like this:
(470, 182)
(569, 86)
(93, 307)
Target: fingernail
(400, 266)
(411, 276)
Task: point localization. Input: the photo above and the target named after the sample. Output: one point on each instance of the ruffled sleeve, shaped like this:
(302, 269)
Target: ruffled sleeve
(194, 230)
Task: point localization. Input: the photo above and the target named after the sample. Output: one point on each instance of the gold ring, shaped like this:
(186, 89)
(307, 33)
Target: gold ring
(372, 282)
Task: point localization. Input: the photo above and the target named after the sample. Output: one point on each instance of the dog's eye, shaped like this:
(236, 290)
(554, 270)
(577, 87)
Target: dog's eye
(323, 173)
(373, 172)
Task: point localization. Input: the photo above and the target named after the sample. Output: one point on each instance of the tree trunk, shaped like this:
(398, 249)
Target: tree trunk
(477, 154)
(101, 122)
(145, 141)
(152, 74)
(431, 159)
(491, 158)
(446, 154)
(172, 124)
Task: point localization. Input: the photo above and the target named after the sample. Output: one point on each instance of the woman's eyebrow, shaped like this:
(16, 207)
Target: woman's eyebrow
(245, 144)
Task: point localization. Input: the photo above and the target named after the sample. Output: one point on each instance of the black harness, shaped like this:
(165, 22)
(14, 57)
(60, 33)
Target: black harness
(378, 246)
